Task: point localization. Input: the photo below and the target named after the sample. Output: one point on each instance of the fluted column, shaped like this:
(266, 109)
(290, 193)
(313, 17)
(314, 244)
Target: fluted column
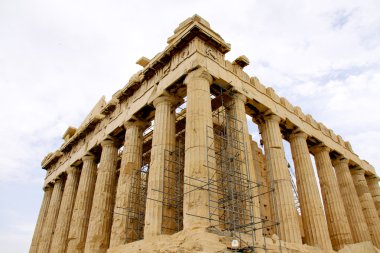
(199, 134)
(51, 217)
(313, 217)
(368, 206)
(356, 219)
(131, 163)
(237, 111)
(41, 218)
(374, 188)
(99, 229)
(59, 242)
(163, 141)
(284, 206)
(340, 233)
(82, 206)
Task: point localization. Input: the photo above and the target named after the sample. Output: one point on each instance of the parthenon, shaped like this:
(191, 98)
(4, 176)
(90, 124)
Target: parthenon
(169, 165)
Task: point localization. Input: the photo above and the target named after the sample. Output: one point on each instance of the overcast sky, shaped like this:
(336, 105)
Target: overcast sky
(57, 58)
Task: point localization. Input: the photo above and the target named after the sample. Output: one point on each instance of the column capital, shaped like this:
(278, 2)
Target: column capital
(240, 96)
(57, 179)
(373, 177)
(165, 99)
(319, 148)
(109, 141)
(357, 171)
(136, 123)
(47, 187)
(297, 133)
(201, 73)
(273, 117)
(88, 156)
(340, 160)
(72, 170)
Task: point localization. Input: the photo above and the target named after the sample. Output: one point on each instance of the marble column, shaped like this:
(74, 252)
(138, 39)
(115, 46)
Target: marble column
(284, 207)
(356, 219)
(163, 142)
(41, 218)
(59, 242)
(368, 206)
(199, 149)
(374, 188)
(131, 162)
(51, 217)
(99, 229)
(313, 217)
(82, 206)
(340, 233)
(237, 111)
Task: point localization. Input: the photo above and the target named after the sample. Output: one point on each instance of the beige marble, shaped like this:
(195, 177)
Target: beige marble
(340, 233)
(374, 188)
(51, 217)
(48, 190)
(284, 207)
(356, 219)
(198, 127)
(99, 229)
(313, 216)
(82, 206)
(131, 163)
(237, 111)
(368, 206)
(265, 197)
(163, 141)
(59, 242)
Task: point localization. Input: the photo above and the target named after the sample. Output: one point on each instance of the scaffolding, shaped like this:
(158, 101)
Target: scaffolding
(231, 192)
(135, 211)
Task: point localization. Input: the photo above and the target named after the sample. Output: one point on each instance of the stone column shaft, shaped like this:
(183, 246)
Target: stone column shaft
(340, 233)
(82, 206)
(41, 219)
(237, 110)
(131, 163)
(51, 217)
(99, 229)
(163, 141)
(313, 217)
(59, 242)
(374, 188)
(199, 134)
(285, 209)
(356, 219)
(368, 206)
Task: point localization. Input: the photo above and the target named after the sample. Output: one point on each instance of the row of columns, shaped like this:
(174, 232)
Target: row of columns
(80, 215)
(331, 228)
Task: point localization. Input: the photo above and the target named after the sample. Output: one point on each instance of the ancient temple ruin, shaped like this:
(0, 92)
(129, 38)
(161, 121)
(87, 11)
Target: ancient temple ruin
(169, 164)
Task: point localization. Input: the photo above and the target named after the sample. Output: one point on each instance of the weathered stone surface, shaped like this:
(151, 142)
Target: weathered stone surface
(99, 229)
(62, 227)
(195, 57)
(356, 219)
(131, 162)
(237, 112)
(286, 213)
(82, 206)
(163, 141)
(51, 217)
(41, 219)
(340, 233)
(374, 188)
(198, 129)
(313, 217)
(368, 206)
